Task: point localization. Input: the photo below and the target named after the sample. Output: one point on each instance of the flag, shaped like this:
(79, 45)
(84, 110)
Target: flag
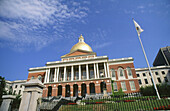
(138, 28)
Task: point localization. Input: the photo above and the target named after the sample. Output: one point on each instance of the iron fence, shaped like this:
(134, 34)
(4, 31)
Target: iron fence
(119, 103)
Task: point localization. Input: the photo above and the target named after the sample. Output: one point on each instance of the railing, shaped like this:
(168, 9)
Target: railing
(119, 103)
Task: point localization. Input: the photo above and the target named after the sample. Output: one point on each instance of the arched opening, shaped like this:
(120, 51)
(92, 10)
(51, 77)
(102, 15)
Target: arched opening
(102, 86)
(92, 88)
(75, 90)
(59, 90)
(129, 72)
(49, 91)
(83, 90)
(67, 90)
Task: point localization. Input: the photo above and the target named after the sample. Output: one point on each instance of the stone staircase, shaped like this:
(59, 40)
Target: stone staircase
(53, 104)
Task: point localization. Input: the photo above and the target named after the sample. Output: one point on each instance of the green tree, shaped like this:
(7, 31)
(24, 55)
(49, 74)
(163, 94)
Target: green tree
(2, 88)
(163, 89)
(112, 81)
(16, 102)
(119, 93)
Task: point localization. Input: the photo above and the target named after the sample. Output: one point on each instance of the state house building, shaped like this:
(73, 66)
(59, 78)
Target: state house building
(81, 72)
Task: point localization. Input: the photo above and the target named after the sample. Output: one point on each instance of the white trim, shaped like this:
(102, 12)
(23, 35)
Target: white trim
(122, 62)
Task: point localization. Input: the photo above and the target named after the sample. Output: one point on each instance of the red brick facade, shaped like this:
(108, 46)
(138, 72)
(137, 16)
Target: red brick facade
(124, 66)
(79, 83)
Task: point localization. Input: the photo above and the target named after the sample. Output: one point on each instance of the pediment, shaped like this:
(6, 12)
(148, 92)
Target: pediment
(79, 52)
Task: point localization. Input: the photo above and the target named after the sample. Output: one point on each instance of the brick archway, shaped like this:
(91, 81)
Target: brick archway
(102, 86)
(83, 90)
(92, 88)
(49, 91)
(67, 91)
(59, 90)
(75, 90)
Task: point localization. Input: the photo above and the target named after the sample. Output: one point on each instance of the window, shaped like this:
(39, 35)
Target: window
(129, 72)
(140, 82)
(138, 75)
(77, 75)
(144, 74)
(132, 85)
(163, 72)
(20, 86)
(146, 81)
(123, 85)
(40, 77)
(14, 91)
(159, 80)
(115, 86)
(69, 75)
(156, 73)
(19, 92)
(15, 86)
(91, 74)
(149, 74)
(166, 80)
(32, 77)
(113, 73)
(101, 72)
(121, 72)
(84, 74)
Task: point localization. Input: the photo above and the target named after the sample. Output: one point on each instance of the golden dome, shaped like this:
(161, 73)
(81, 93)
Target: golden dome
(81, 45)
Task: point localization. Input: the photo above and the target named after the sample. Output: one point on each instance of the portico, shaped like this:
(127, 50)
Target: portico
(76, 72)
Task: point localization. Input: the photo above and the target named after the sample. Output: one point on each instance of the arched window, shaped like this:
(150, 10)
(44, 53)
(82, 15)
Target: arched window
(121, 72)
(113, 74)
(129, 72)
(49, 91)
(40, 77)
(32, 77)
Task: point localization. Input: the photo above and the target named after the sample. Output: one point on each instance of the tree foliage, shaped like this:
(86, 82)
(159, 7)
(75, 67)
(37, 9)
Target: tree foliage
(163, 89)
(2, 88)
(16, 102)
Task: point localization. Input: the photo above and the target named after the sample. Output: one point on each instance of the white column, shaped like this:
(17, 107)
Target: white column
(65, 73)
(48, 77)
(58, 73)
(94, 71)
(55, 73)
(46, 74)
(79, 72)
(87, 71)
(105, 69)
(72, 73)
(108, 70)
(97, 70)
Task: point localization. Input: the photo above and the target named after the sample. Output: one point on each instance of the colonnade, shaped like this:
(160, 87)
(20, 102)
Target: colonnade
(77, 72)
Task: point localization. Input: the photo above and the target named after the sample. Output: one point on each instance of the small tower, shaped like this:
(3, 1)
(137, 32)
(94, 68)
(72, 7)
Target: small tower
(81, 38)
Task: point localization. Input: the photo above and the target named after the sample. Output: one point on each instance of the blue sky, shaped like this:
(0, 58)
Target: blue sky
(34, 32)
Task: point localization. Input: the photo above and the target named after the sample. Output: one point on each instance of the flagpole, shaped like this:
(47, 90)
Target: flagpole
(149, 67)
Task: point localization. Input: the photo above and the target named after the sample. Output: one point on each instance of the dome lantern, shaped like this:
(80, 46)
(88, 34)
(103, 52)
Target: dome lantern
(81, 45)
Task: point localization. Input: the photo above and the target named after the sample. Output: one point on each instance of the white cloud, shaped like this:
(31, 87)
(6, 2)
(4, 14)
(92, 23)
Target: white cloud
(140, 7)
(102, 45)
(27, 22)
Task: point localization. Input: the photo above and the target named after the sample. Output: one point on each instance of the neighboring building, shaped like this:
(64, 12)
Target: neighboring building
(161, 74)
(15, 86)
(81, 72)
(163, 57)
